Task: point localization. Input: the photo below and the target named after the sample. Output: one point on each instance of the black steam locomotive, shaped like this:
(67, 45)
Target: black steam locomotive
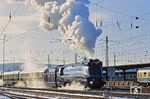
(88, 73)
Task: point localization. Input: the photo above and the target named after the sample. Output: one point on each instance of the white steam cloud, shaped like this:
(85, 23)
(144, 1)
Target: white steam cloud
(71, 18)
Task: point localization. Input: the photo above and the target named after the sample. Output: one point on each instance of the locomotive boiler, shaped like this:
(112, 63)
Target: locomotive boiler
(88, 73)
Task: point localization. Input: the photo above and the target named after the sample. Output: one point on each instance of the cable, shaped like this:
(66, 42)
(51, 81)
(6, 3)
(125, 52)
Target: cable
(10, 18)
(118, 12)
(27, 31)
(145, 14)
(4, 28)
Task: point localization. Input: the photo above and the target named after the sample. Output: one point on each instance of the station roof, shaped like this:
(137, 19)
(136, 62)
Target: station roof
(130, 66)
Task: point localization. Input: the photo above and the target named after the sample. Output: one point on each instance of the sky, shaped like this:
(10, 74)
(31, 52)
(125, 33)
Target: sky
(125, 22)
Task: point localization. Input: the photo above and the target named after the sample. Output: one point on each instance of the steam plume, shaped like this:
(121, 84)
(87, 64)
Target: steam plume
(71, 18)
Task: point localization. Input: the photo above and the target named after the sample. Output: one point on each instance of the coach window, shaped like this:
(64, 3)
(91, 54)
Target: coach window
(127, 76)
(140, 74)
(134, 76)
(42, 74)
(149, 74)
(144, 74)
(37, 75)
(62, 71)
(130, 76)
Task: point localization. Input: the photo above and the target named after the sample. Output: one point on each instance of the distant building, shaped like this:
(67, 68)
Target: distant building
(10, 66)
(18, 66)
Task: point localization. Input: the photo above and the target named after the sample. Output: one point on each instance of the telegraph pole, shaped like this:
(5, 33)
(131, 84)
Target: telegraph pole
(106, 55)
(63, 62)
(48, 60)
(13, 63)
(76, 57)
(114, 59)
(106, 58)
(4, 40)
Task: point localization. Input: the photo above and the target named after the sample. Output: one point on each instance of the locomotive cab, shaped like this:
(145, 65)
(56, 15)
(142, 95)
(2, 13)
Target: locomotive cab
(58, 73)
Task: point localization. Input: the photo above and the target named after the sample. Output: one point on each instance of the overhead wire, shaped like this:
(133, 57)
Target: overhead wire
(10, 18)
(119, 12)
(23, 33)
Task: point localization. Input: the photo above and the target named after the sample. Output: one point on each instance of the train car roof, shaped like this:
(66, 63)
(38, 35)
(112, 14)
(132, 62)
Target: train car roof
(70, 65)
(131, 70)
(145, 68)
(33, 71)
(11, 72)
(143, 71)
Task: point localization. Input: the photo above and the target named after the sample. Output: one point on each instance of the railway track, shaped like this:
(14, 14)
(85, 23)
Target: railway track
(46, 93)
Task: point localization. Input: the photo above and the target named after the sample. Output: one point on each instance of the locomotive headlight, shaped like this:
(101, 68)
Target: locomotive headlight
(91, 82)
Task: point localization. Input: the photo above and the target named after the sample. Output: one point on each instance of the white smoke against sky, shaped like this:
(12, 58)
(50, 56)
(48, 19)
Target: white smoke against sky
(29, 64)
(71, 18)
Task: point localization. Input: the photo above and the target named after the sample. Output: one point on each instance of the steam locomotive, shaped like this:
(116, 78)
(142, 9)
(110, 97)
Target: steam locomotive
(88, 73)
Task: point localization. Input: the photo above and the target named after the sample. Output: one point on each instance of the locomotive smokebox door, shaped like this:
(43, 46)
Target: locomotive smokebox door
(95, 78)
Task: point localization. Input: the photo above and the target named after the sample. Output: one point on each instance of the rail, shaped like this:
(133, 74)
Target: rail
(46, 93)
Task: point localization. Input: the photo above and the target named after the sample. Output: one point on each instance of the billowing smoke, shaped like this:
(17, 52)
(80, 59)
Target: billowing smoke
(71, 18)
(31, 83)
(29, 64)
(74, 86)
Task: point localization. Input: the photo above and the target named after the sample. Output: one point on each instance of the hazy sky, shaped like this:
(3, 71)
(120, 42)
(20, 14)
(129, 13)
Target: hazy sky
(130, 44)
